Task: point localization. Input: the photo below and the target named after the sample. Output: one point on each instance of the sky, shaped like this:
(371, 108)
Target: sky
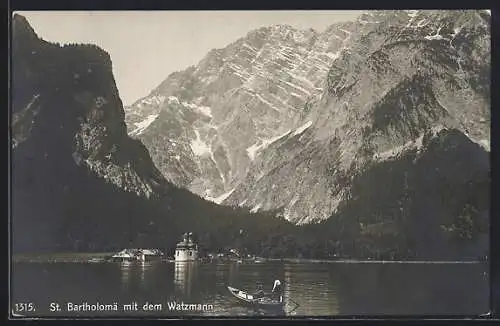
(146, 46)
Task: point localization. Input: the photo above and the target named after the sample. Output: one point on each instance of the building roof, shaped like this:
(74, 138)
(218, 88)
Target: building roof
(153, 252)
(125, 254)
(129, 253)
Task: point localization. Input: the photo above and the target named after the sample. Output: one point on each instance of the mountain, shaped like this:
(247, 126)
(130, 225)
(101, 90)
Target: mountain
(229, 131)
(78, 181)
(205, 125)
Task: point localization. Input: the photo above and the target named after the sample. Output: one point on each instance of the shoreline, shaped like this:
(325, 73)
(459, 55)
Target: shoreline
(371, 261)
(80, 257)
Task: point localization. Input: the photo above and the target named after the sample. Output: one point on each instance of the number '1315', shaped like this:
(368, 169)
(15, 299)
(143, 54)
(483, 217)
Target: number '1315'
(23, 307)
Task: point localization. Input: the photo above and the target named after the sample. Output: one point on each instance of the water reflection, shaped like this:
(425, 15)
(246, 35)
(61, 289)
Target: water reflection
(289, 304)
(135, 272)
(314, 291)
(233, 272)
(145, 268)
(220, 274)
(320, 289)
(411, 289)
(184, 273)
(125, 269)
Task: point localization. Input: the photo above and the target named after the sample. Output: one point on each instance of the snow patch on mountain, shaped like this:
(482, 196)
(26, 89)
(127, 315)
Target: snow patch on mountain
(173, 99)
(411, 13)
(288, 211)
(486, 144)
(203, 109)
(345, 31)
(436, 36)
(221, 198)
(198, 146)
(272, 106)
(301, 78)
(252, 150)
(411, 145)
(256, 208)
(303, 128)
(153, 100)
(305, 91)
(141, 126)
(251, 48)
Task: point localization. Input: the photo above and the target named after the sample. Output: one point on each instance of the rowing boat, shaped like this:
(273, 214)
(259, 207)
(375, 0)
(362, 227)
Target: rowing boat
(263, 302)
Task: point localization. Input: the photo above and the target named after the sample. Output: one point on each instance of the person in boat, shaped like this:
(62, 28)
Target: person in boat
(277, 292)
(259, 293)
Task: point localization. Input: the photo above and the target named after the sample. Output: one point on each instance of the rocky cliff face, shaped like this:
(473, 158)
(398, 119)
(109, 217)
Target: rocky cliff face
(65, 101)
(72, 161)
(393, 79)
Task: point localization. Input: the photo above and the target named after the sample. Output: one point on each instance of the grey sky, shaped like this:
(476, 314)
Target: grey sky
(146, 46)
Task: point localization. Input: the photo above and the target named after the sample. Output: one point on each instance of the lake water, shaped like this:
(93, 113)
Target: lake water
(319, 289)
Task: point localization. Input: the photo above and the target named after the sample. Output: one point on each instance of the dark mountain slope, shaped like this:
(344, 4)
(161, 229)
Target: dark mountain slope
(78, 181)
(429, 201)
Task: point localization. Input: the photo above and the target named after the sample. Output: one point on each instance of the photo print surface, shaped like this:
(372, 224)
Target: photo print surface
(250, 163)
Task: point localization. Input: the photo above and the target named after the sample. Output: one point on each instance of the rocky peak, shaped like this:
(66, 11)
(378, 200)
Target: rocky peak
(244, 96)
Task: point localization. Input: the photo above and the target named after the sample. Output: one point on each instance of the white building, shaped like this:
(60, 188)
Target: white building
(186, 250)
(124, 255)
(138, 254)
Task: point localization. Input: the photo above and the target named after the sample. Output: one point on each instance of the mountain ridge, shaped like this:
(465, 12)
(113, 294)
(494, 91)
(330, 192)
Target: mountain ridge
(250, 64)
(360, 105)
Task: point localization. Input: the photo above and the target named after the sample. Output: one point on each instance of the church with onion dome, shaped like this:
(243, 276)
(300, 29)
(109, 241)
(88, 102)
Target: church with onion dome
(187, 249)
